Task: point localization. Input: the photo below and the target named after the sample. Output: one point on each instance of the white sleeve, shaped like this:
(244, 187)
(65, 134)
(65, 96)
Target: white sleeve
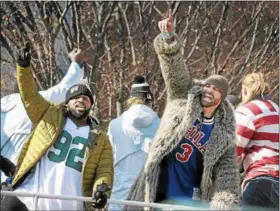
(57, 93)
(110, 135)
(4, 136)
(111, 139)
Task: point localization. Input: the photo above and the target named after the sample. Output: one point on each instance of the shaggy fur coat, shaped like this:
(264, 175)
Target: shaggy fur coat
(220, 183)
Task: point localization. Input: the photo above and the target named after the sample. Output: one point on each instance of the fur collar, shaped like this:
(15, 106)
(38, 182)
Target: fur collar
(222, 135)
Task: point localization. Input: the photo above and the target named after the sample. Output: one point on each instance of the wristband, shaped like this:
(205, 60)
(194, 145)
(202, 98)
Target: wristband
(168, 35)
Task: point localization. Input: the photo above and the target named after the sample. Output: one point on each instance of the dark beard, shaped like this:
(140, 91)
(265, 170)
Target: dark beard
(213, 103)
(83, 116)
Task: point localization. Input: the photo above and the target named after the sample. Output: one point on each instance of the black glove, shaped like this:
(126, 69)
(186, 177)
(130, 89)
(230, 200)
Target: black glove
(23, 56)
(100, 197)
(100, 200)
(7, 166)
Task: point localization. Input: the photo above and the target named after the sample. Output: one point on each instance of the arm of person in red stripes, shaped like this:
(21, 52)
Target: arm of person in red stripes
(245, 130)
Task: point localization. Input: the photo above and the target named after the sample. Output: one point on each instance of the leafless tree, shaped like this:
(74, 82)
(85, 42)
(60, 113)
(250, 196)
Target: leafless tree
(227, 38)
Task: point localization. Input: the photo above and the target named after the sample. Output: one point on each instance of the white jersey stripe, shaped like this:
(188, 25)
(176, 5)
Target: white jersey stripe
(266, 115)
(243, 120)
(263, 143)
(269, 167)
(269, 128)
(257, 156)
(242, 141)
(262, 106)
(243, 110)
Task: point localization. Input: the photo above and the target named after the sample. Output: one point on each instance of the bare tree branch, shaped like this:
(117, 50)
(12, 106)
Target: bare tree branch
(243, 35)
(128, 33)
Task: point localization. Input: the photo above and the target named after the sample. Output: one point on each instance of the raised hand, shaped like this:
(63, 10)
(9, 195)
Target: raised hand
(76, 55)
(167, 26)
(24, 56)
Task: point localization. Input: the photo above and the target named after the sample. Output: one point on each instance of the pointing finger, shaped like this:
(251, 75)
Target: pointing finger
(170, 15)
(159, 25)
(78, 51)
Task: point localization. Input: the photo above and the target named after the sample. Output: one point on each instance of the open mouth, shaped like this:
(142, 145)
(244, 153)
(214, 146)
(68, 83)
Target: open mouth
(207, 98)
(80, 108)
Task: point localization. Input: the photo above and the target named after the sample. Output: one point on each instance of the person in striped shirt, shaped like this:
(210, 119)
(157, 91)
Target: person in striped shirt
(257, 131)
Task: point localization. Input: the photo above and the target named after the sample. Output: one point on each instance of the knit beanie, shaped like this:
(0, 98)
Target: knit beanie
(78, 89)
(140, 88)
(220, 82)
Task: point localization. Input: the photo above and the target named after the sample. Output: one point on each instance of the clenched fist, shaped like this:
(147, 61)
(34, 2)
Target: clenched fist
(24, 56)
(76, 55)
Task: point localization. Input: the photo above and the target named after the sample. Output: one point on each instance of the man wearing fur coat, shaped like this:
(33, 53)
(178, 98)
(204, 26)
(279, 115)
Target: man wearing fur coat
(192, 157)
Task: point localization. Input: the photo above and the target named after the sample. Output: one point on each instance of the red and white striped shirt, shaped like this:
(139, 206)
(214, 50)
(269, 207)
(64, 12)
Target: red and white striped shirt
(258, 138)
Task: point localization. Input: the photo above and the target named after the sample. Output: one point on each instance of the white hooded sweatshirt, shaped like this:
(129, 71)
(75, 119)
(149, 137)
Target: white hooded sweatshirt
(130, 136)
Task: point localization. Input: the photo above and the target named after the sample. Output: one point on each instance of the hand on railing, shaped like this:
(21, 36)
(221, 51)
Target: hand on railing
(7, 166)
(100, 197)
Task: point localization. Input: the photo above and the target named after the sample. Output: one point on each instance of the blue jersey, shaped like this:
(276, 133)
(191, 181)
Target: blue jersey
(184, 166)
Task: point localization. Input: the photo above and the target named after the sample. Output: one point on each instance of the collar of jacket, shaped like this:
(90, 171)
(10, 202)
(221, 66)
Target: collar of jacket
(94, 131)
(168, 137)
(93, 123)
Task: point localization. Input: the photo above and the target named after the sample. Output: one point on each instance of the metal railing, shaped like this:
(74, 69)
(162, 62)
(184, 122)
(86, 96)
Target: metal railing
(89, 199)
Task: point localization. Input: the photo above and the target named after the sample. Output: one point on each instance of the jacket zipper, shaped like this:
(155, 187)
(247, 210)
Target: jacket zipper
(32, 165)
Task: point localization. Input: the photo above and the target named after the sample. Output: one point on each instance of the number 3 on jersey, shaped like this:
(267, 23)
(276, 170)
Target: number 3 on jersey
(184, 157)
(63, 144)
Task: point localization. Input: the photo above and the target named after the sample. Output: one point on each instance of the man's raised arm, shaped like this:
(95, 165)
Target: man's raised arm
(35, 105)
(75, 75)
(168, 48)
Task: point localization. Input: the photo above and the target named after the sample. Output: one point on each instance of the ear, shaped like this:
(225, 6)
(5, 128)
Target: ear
(220, 102)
